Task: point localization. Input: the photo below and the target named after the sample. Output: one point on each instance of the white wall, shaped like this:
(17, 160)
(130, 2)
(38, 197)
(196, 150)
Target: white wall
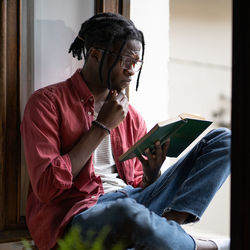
(200, 58)
(200, 80)
(57, 23)
(151, 100)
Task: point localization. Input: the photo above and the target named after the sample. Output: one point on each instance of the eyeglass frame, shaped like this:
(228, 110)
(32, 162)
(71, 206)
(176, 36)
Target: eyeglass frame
(121, 61)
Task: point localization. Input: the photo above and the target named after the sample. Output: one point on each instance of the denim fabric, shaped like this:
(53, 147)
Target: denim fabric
(189, 185)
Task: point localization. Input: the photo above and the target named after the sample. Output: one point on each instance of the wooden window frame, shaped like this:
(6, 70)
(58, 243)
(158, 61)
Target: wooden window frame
(115, 6)
(12, 225)
(10, 141)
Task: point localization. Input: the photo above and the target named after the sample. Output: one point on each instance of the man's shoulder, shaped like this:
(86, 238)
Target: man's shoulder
(65, 90)
(51, 92)
(54, 89)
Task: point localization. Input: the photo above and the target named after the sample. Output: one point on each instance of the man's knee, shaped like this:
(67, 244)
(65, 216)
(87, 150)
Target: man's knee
(220, 132)
(124, 208)
(221, 136)
(116, 215)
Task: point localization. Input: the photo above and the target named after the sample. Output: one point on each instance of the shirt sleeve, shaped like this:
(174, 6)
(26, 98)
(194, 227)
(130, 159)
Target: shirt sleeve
(49, 171)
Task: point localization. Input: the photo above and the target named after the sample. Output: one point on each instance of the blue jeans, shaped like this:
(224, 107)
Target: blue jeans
(189, 185)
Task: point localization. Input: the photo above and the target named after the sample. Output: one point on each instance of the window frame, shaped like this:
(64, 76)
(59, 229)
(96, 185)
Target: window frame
(240, 121)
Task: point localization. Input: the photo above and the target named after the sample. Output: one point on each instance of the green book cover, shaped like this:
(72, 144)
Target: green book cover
(182, 131)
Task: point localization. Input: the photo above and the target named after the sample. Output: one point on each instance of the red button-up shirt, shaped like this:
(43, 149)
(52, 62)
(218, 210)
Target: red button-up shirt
(55, 119)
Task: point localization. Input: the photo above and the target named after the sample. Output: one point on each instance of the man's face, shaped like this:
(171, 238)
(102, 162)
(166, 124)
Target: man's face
(123, 71)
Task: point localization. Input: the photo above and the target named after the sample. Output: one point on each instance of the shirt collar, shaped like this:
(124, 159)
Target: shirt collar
(80, 85)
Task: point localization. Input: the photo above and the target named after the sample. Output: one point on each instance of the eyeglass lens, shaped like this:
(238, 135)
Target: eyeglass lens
(128, 63)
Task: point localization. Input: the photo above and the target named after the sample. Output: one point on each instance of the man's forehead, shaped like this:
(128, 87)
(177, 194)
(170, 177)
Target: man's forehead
(130, 47)
(133, 45)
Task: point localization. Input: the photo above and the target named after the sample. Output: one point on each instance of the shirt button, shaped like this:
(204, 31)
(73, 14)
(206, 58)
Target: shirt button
(91, 99)
(82, 100)
(89, 113)
(93, 196)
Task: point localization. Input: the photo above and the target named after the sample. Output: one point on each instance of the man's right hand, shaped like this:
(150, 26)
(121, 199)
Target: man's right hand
(114, 109)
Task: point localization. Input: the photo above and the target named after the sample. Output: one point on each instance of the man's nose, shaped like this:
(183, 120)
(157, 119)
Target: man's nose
(130, 71)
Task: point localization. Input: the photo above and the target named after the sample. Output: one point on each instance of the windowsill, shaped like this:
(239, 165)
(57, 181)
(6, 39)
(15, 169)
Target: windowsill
(14, 235)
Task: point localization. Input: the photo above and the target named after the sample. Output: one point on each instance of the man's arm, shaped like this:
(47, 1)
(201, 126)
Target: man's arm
(112, 113)
(50, 172)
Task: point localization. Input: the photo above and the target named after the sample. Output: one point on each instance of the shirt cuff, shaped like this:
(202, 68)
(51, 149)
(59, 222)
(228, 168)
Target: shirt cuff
(61, 167)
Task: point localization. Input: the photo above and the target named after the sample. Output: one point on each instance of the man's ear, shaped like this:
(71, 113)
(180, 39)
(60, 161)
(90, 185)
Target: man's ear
(95, 54)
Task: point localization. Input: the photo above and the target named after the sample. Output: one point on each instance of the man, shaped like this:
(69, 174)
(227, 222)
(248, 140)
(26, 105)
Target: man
(74, 132)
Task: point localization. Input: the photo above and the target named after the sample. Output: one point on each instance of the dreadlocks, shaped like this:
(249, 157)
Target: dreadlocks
(103, 31)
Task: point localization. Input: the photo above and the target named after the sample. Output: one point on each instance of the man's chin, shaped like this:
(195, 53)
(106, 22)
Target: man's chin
(123, 90)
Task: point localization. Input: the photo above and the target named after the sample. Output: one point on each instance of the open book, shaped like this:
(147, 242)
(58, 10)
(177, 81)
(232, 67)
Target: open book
(182, 131)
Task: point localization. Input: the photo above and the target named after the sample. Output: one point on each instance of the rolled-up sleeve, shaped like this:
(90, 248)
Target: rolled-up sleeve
(61, 168)
(49, 171)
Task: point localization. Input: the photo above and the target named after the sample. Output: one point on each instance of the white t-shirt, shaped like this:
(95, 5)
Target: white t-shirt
(104, 166)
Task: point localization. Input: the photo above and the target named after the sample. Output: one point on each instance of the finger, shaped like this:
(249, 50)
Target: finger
(158, 149)
(142, 160)
(124, 102)
(121, 96)
(165, 147)
(151, 157)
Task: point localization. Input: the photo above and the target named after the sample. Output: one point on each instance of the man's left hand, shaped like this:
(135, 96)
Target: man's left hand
(153, 161)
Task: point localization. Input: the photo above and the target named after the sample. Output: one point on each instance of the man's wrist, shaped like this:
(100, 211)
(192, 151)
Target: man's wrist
(100, 125)
(149, 180)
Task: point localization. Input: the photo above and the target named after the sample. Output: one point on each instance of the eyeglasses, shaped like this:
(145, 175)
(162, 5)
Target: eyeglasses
(127, 62)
